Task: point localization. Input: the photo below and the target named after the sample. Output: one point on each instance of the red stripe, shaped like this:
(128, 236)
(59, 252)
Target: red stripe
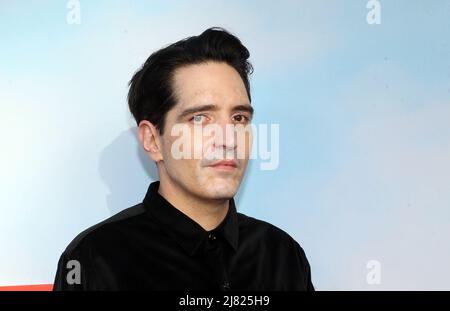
(34, 288)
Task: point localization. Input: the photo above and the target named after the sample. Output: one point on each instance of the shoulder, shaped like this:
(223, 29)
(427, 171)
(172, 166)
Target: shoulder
(271, 239)
(78, 254)
(267, 232)
(120, 220)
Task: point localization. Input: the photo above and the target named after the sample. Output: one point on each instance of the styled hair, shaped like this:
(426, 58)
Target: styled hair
(151, 94)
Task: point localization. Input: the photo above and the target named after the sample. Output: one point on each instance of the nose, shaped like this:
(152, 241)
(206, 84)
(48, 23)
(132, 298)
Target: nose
(226, 137)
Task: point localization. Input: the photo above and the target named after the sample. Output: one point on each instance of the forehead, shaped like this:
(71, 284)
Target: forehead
(209, 83)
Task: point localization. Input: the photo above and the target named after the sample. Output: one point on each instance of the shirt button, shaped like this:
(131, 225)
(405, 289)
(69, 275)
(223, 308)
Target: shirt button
(226, 286)
(212, 237)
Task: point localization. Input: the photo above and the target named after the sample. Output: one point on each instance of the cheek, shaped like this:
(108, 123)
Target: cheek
(179, 154)
(198, 146)
(248, 144)
(185, 168)
(244, 145)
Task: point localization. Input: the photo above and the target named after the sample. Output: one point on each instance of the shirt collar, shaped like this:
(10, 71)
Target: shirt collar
(182, 228)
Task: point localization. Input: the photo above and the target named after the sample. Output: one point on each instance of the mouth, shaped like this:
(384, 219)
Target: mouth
(224, 165)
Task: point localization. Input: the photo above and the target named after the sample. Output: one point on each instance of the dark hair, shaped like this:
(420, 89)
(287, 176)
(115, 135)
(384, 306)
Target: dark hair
(151, 94)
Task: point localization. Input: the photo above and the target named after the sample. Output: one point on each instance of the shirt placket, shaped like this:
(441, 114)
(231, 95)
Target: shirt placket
(214, 251)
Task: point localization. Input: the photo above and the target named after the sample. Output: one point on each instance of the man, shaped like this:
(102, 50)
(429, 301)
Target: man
(187, 234)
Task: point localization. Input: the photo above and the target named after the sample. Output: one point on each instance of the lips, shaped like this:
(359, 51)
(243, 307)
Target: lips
(225, 165)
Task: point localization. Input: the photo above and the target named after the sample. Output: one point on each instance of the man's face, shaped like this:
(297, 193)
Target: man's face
(211, 100)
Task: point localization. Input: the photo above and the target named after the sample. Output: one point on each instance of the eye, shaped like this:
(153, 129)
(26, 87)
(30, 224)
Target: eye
(198, 119)
(240, 118)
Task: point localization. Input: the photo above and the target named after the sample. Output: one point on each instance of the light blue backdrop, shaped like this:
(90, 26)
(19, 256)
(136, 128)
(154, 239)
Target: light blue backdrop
(363, 109)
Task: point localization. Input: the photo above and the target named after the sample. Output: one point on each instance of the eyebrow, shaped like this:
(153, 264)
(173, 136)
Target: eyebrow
(211, 107)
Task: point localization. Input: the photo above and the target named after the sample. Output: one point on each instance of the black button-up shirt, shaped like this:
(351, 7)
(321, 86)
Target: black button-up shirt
(155, 246)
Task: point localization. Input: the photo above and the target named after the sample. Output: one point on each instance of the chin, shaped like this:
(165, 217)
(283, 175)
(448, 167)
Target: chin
(220, 190)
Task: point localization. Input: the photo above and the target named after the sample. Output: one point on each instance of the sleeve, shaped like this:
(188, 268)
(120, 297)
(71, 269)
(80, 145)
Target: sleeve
(309, 284)
(306, 269)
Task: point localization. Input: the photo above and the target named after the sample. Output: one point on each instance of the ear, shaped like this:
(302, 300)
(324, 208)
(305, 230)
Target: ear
(150, 140)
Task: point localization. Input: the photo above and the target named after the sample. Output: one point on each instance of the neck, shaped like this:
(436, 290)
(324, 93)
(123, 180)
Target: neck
(207, 213)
